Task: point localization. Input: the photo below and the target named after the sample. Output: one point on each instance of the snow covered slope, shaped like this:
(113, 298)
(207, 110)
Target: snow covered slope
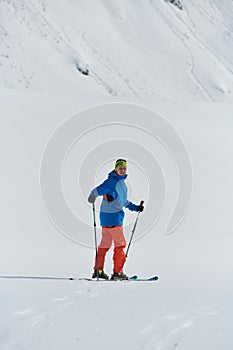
(119, 48)
(58, 58)
(190, 307)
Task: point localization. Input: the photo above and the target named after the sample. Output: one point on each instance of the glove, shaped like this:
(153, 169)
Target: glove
(140, 208)
(91, 198)
(109, 197)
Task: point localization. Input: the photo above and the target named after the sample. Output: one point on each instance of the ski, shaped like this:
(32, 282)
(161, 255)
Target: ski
(154, 278)
(39, 278)
(131, 278)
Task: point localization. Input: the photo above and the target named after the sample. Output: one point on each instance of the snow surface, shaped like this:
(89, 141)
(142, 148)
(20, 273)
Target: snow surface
(191, 305)
(132, 49)
(122, 44)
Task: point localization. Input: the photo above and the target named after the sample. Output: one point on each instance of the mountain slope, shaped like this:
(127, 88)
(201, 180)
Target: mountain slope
(141, 49)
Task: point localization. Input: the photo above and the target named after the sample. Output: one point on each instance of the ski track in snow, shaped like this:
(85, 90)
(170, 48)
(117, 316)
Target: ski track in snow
(56, 32)
(169, 331)
(116, 75)
(58, 38)
(183, 36)
(106, 64)
(52, 31)
(212, 51)
(25, 327)
(215, 53)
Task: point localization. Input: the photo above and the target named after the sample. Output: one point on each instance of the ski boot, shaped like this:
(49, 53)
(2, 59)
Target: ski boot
(100, 274)
(118, 276)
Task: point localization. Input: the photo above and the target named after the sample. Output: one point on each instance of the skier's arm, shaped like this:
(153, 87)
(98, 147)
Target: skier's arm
(101, 190)
(133, 207)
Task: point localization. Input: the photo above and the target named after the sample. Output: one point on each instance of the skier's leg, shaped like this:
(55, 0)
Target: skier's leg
(119, 257)
(104, 246)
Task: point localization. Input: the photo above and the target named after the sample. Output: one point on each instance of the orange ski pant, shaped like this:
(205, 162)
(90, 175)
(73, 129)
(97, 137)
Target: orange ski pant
(109, 235)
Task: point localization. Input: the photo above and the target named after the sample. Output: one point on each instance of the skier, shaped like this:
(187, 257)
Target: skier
(114, 192)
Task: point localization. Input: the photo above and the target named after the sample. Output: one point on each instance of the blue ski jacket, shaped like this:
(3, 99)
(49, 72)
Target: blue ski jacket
(112, 213)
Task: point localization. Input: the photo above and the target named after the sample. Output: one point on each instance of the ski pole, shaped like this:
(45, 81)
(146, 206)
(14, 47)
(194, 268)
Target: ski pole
(134, 228)
(96, 251)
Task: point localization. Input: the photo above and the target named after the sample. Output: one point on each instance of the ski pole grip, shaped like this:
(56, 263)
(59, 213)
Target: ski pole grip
(141, 203)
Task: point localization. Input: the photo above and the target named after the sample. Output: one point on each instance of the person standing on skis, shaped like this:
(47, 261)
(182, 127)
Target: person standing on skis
(114, 192)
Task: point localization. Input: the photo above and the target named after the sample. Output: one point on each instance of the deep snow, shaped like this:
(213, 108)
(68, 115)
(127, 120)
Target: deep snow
(131, 49)
(167, 57)
(190, 306)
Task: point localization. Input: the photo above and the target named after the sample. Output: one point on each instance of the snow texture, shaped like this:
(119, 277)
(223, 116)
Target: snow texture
(154, 48)
(189, 307)
(59, 58)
